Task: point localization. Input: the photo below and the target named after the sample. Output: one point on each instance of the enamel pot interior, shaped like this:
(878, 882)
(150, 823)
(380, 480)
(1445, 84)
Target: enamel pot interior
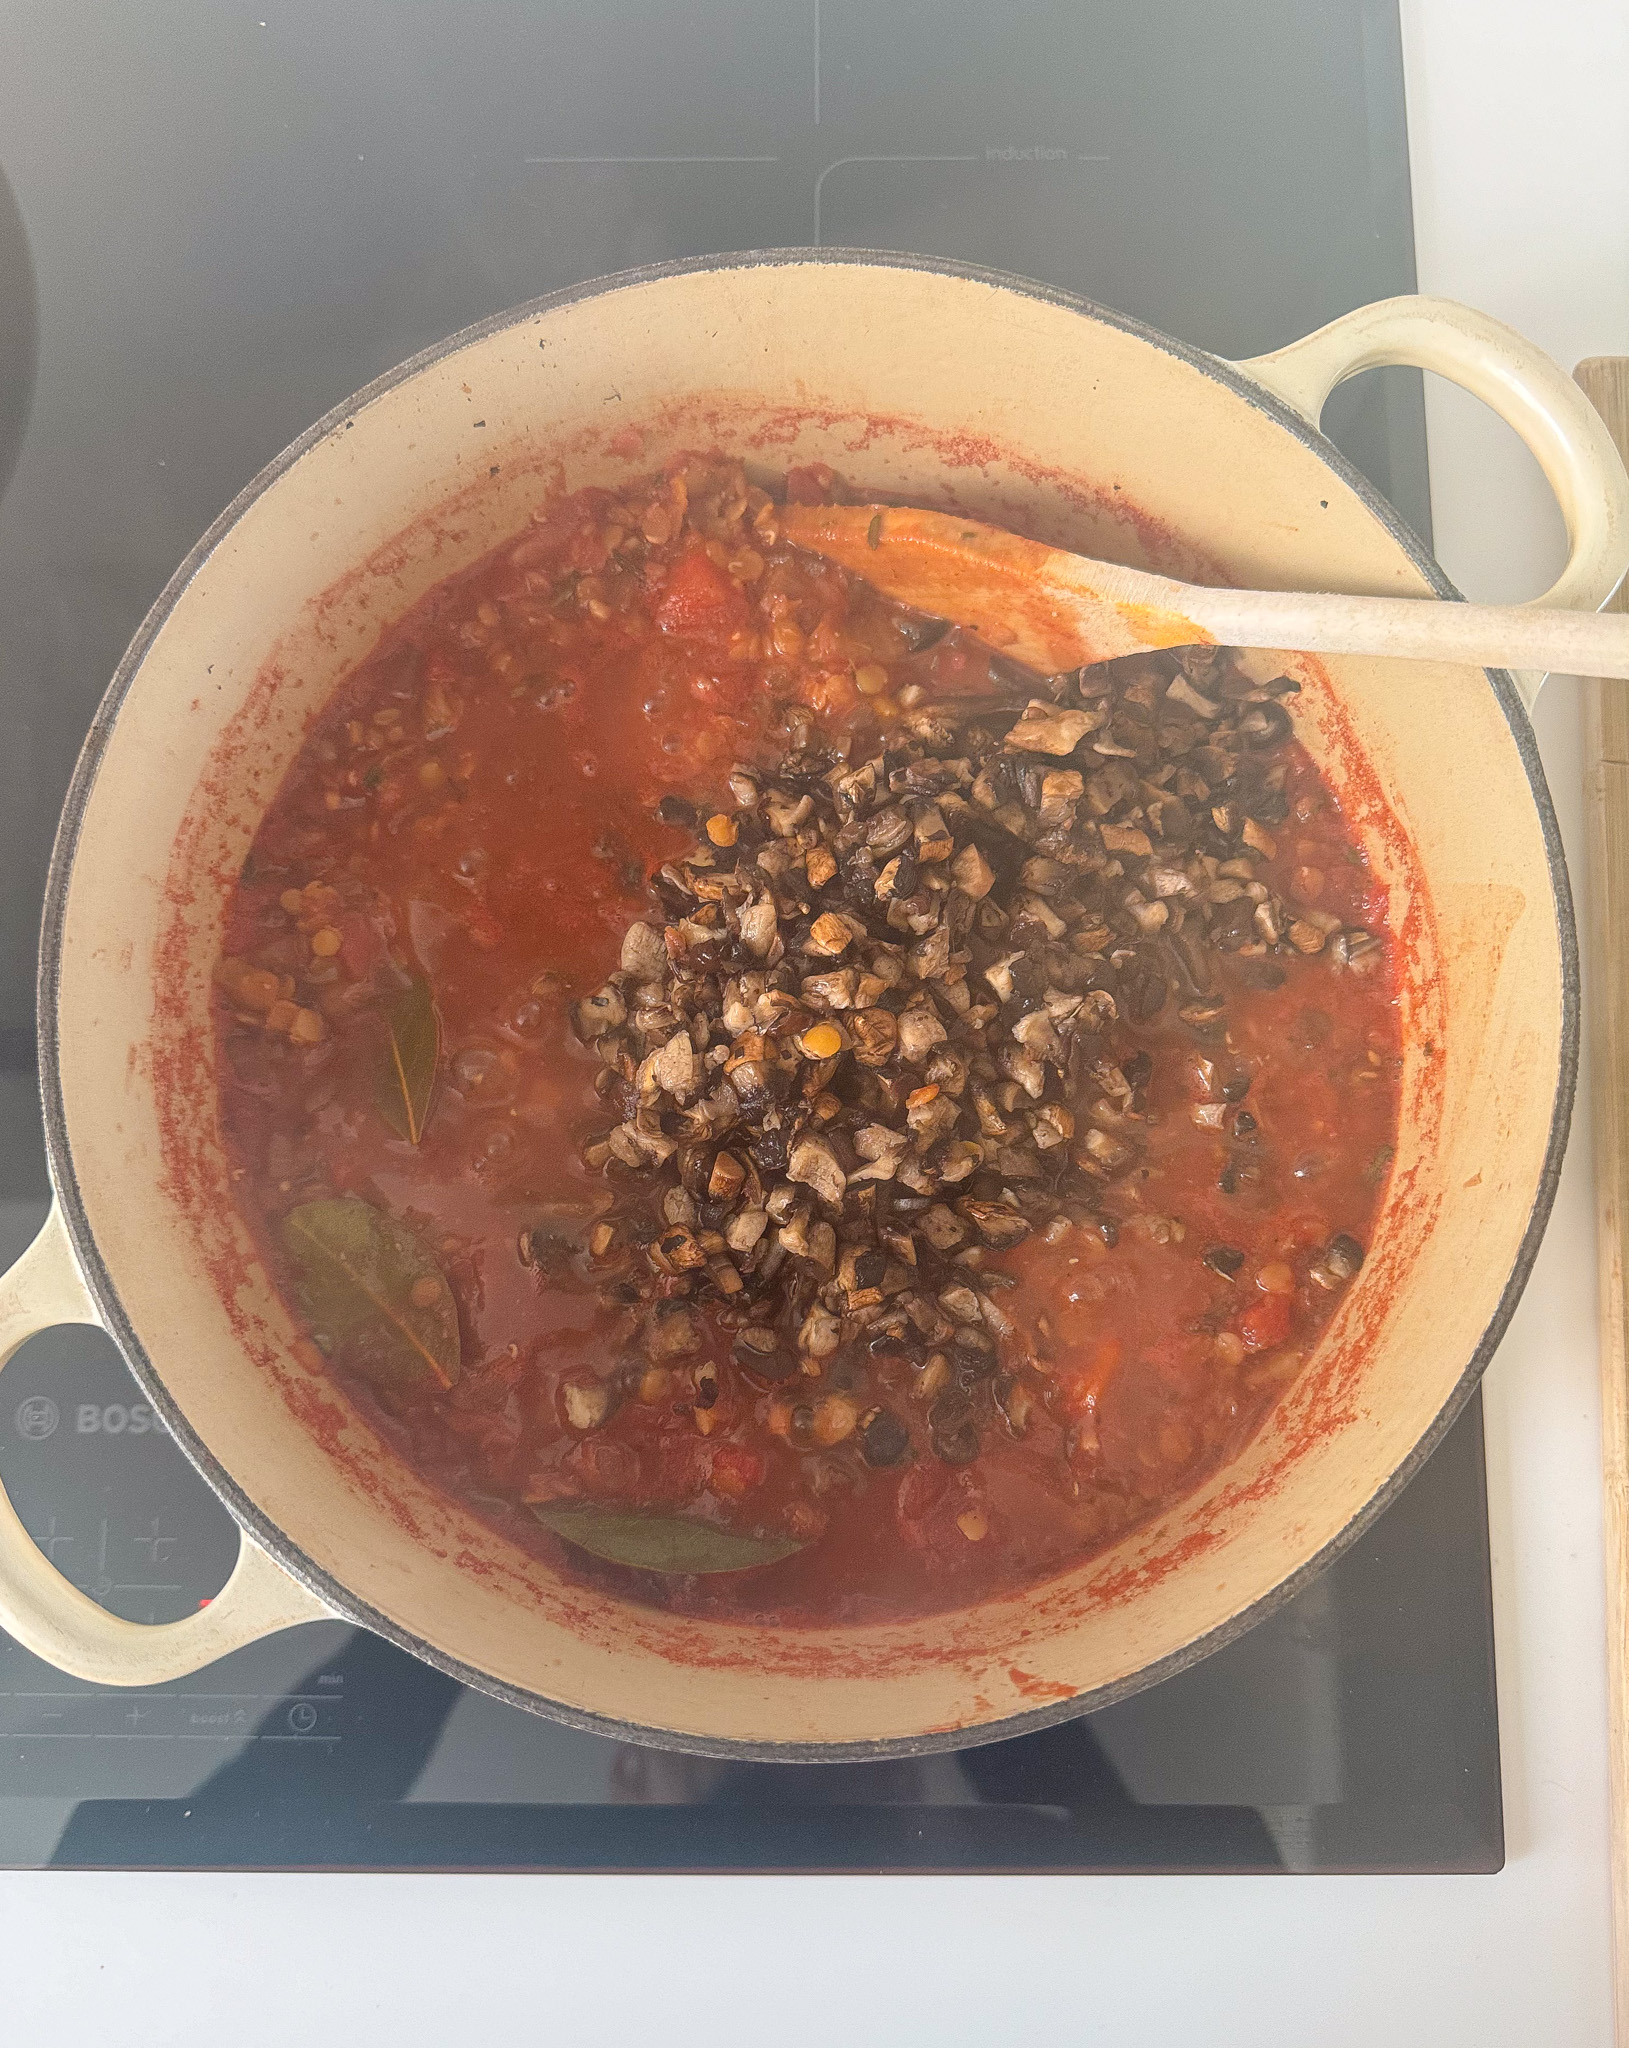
(942, 387)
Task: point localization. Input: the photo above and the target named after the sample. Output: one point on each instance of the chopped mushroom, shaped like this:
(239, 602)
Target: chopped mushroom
(671, 1332)
(603, 1011)
(933, 840)
(757, 926)
(920, 1030)
(814, 1164)
(999, 1223)
(829, 935)
(1045, 729)
(972, 873)
(644, 952)
(875, 1034)
(1180, 691)
(820, 1335)
(674, 1067)
(745, 1228)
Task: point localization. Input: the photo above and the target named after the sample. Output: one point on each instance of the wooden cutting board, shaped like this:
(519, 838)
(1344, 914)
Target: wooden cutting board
(1605, 379)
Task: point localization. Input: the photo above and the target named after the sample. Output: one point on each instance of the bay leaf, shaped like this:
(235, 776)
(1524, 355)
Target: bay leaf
(405, 1080)
(360, 1271)
(659, 1543)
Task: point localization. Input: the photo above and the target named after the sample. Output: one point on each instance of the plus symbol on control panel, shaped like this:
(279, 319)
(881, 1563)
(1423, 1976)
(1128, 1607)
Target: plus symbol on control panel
(49, 1541)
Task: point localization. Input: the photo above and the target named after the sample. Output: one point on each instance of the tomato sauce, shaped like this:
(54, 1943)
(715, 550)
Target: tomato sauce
(453, 865)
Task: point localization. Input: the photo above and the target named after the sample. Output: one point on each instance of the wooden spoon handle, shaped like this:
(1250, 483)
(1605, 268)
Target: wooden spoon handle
(1054, 611)
(1416, 629)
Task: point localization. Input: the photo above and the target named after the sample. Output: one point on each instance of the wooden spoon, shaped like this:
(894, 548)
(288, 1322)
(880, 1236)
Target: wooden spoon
(1055, 611)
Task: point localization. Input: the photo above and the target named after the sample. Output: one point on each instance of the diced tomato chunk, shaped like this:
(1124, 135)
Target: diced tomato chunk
(1266, 1322)
(675, 1467)
(483, 927)
(736, 1470)
(1080, 1391)
(809, 485)
(920, 1487)
(930, 1503)
(361, 948)
(699, 600)
(607, 1469)
(832, 696)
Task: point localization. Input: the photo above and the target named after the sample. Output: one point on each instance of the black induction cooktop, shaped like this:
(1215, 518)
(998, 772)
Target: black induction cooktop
(213, 226)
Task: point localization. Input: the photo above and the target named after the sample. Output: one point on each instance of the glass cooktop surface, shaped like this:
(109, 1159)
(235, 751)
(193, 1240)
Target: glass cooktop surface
(217, 221)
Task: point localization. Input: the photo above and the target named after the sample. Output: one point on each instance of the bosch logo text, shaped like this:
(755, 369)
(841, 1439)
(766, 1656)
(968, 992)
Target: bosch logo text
(114, 1418)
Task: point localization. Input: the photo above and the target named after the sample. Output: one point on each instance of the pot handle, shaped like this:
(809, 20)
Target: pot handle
(51, 1617)
(1524, 387)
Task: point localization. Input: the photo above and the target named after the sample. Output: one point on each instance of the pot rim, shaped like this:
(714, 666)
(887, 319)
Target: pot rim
(344, 1603)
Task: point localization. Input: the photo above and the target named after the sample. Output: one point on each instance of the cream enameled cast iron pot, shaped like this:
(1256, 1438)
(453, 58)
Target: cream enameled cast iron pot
(933, 384)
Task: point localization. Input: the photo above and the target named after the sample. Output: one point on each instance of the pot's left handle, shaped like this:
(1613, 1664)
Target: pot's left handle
(53, 1618)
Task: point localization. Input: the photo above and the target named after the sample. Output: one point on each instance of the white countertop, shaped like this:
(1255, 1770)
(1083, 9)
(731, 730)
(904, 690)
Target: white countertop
(1521, 189)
